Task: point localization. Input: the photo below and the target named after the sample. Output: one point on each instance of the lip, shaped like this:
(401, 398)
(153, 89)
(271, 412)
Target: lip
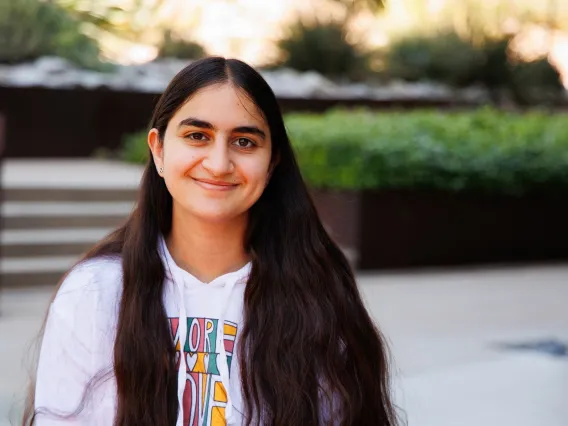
(215, 185)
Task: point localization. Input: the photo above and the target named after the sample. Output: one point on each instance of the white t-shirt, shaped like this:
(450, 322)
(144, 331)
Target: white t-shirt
(205, 321)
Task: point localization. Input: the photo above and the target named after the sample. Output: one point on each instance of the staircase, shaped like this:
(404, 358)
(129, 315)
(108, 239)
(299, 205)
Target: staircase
(53, 211)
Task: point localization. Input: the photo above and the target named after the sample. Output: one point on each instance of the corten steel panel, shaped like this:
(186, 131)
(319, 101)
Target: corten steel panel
(414, 228)
(76, 122)
(340, 213)
(70, 123)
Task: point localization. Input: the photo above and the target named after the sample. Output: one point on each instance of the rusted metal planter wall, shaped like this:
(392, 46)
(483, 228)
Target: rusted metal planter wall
(398, 229)
(340, 212)
(44, 122)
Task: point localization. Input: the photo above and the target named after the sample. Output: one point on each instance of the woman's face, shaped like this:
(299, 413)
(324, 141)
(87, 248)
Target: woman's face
(215, 153)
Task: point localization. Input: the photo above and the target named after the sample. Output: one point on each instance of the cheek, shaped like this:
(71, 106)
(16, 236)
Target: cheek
(256, 172)
(178, 161)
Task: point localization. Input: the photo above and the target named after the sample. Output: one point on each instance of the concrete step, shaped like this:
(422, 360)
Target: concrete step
(70, 179)
(34, 271)
(34, 215)
(49, 242)
(38, 194)
(55, 210)
(70, 172)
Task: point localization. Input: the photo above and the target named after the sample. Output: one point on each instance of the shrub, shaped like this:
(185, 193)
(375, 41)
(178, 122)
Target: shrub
(450, 59)
(444, 57)
(176, 47)
(30, 29)
(532, 82)
(324, 48)
(135, 148)
(535, 82)
(495, 71)
(484, 150)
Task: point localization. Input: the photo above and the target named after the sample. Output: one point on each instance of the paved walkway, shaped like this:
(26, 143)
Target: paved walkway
(443, 328)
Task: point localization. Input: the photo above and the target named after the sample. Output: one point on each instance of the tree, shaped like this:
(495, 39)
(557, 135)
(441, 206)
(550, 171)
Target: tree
(106, 16)
(352, 7)
(30, 29)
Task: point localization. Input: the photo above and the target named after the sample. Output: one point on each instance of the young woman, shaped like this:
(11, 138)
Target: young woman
(222, 300)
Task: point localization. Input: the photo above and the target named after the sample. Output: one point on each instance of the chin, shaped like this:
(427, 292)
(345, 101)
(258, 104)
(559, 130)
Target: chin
(216, 215)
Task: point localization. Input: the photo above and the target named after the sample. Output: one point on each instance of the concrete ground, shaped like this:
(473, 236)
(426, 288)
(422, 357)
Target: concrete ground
(444, 328)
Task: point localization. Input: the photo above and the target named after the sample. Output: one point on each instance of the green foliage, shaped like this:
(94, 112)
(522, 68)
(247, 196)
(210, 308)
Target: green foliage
(536, 81)
(135, 148)
(324, 48)
(495, 70)
(30, 29)
(354, 6)
(484, 150)
(442, 57)
(175, 47)
(104, 16)
(448, 58)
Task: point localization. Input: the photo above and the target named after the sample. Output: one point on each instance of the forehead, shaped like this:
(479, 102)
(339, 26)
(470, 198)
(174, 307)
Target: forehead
(222, 105)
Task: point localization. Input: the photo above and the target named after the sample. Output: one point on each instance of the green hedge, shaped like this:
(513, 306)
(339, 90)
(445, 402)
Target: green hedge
(483, 150)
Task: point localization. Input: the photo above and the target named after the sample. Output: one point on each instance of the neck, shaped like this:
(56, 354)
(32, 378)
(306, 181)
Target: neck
(207, 250)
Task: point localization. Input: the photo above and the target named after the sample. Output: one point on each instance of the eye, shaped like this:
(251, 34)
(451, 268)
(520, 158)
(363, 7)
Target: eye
(197, 136)
(244, 143)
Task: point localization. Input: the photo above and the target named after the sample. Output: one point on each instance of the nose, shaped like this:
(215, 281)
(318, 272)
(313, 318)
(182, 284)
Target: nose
(217, 160)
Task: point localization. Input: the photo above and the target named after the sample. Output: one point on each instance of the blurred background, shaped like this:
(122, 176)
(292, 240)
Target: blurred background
(432, 133)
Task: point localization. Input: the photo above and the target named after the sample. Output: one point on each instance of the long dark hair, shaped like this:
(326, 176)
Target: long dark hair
(308, 344)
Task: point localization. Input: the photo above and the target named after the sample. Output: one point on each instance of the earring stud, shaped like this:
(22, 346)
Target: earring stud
(161, 170)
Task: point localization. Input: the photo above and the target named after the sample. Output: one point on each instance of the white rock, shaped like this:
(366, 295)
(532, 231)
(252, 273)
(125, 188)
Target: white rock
(23, 75)
(92, 80)
(291, 83)
(153, 77)
(53, 65)
(475, 94)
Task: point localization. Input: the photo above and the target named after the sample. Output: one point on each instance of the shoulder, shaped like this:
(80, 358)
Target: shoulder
(94, 284)
(78, 339)
(101, 274)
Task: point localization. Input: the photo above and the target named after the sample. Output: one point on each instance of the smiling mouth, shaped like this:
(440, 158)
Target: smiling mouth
(217, 186)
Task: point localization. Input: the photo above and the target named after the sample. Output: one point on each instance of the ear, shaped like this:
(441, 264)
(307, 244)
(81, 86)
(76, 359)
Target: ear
(273, 165)
(271, 168)
(157, 149)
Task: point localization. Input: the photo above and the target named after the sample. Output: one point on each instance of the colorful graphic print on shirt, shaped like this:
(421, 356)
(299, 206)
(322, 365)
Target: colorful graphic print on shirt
(205, 397)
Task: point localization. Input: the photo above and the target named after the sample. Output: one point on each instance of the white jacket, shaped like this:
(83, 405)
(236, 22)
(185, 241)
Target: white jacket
(205, 321)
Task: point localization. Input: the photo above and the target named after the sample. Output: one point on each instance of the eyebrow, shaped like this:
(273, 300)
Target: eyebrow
(194, 122)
